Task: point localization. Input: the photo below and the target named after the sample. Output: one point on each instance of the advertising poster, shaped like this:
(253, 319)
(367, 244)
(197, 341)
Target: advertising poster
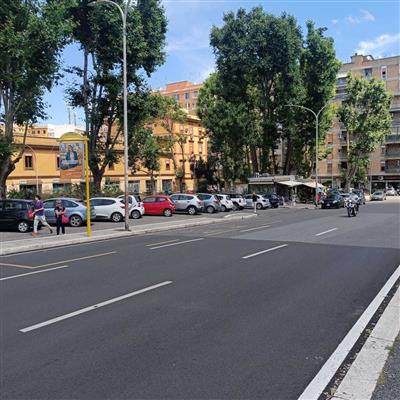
(71, 160)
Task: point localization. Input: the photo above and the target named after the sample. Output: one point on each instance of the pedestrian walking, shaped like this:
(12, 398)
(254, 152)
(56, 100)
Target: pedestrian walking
(255, 202)
(59, 212)
(39, 217)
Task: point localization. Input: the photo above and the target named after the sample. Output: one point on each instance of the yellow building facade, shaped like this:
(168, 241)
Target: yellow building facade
(39, 169)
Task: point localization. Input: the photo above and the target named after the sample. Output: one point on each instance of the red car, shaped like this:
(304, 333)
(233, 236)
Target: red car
(158, 205)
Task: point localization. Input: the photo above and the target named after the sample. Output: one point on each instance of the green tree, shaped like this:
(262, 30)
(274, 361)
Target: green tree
(365, 115)
(99, 85)
(256, 56)
(32, 35)
(318, 71)
(232, 127)
(171, 114)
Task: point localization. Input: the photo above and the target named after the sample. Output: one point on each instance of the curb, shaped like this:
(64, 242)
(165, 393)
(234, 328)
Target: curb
(362, 377)
(118, 234)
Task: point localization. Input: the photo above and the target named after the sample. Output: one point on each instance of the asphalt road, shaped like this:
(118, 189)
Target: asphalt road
(242, 310)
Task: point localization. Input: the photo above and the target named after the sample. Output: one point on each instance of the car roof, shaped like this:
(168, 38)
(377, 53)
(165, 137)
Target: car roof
(64, 198)
(104, 198)
(23, 200)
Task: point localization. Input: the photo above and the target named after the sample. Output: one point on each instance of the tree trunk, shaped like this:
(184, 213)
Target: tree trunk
(97, 178)
(254, 160)
(6, 167)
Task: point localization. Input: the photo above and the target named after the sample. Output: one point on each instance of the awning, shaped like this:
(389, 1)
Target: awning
(311, 184)
(290, 183)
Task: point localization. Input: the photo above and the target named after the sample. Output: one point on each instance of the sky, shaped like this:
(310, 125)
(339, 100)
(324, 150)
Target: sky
(366, 27)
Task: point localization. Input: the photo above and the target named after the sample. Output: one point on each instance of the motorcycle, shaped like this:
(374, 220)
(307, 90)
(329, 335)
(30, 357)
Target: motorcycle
(352, 208)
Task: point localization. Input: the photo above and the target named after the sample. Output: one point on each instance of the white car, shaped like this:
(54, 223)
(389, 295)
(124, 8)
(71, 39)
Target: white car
(238, 201)
(108, 208)
(261, 203)
(136, 207)
(226, 202)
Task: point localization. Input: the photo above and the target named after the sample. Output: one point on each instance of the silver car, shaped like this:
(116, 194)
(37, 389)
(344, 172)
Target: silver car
(188, 203)
(75, 210)
(378, 196)
(211, 202)
(261, 202)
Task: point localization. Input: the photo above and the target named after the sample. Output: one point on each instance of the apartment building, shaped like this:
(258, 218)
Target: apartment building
(185, 93)
(39, 168)
(384, 169)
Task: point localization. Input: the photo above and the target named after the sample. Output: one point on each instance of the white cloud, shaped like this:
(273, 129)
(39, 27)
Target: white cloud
(381, 46)
(195, 39)
(364, 16)
(367, 16)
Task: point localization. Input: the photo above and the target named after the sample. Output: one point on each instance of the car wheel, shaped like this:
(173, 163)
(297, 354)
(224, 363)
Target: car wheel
(135, 214)
(223, 208)
(167, 212)
(323, 207)
(259, 206)
(116, 217)
(210, 209)
(191, 210)
(23, 226)
(75, 221)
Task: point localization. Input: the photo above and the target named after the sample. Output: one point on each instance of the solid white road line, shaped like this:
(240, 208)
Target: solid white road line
(31, 273)
(328, 370)
(253, 229)
(323, 233)
(175, 244)
(93, 307)
(265, 251)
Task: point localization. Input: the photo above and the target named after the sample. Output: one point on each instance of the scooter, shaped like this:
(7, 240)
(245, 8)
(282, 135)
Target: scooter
(352, 208)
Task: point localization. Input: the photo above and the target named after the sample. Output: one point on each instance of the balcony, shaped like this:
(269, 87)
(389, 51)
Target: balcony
(392, 139)
(392, 170)
(392, 156)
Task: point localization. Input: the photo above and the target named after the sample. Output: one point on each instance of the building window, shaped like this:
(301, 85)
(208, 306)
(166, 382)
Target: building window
(176, 97)
(168, 165)
(368, 73)
(383, 72)
(134, 186)
(187, 96)
(28, 162)
(111, 166)
(329, 168)
(149, 187)
(200, 148)
(58, 162)
(167, 185)
(195, 93)
(191, 147)
(181, 128)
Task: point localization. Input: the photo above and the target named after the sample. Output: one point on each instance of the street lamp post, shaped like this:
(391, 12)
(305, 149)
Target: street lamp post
(36, 167)
(124, 14)
(316, 115)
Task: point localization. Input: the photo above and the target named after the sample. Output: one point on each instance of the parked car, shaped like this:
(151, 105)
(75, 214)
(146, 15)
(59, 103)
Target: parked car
(158, 205)
(378, 196)
(136, 208)
(360, 194)
(211, 202)
(273, 199)
(238, 201)
(226, 202)
(108, 208)
(332, 201)
(75, 210)
(188, 203)
(391, 192)
(14, 215)
(261, 203)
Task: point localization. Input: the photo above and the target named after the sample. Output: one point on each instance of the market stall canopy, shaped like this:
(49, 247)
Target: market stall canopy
(290, 183)
(311, 184)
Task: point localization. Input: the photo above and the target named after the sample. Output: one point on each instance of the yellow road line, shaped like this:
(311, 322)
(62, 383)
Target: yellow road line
(15, 265)
(75, 259)
(167, 241)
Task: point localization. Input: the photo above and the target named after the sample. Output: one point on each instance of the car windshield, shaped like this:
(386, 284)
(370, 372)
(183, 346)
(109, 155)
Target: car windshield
(378, 193)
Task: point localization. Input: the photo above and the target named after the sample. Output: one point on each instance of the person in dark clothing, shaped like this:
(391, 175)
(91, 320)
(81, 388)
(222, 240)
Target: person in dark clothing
(255, 198)
(59, 212)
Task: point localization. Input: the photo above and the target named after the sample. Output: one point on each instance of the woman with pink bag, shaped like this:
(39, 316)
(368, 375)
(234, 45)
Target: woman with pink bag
(61, 217)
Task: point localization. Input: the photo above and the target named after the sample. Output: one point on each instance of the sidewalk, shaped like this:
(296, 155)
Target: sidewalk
(45, 242)
(388, 386)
